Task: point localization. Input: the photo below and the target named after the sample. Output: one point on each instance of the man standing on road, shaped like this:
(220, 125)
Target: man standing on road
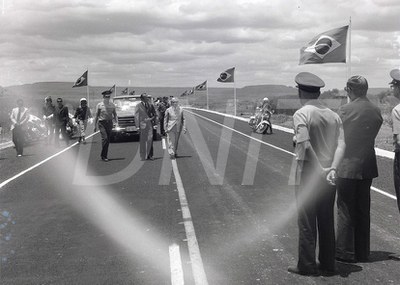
(319, 149)
(105, 113)
(395, 85)
(361, 123)
(48, 117)
(61, 119)
(144, 116)
(162, 107)
(82, 114)
(174, 124)
(19, 117)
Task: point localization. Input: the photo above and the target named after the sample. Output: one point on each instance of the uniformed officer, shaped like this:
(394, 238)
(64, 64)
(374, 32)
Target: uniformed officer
(395, 85)
(105, 113)
(319, 148)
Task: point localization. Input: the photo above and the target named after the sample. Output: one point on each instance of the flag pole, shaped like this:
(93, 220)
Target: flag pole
(207, 94)
(349, 58)
(87, 87)
(234, 96)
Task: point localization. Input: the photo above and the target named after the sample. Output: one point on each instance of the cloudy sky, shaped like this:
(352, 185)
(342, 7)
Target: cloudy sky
(184, 42)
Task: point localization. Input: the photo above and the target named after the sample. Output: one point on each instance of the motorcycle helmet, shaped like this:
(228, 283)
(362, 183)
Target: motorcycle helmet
(265, 99)
(48, 99)
(83, 100)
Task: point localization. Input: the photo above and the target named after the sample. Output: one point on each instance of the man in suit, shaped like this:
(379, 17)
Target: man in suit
(395, 86)
(19, 117)
(61, 119)
(361, 123)
(144, 118)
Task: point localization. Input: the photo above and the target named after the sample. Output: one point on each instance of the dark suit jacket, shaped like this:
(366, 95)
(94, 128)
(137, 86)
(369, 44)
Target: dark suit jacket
(142, 113)
(61, 115)
(361, 123)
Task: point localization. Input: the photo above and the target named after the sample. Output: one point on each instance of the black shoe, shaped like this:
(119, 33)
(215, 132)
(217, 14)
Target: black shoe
(327, 272)
(150, 158)
(295, 270)
(104, 159)
(345, 260)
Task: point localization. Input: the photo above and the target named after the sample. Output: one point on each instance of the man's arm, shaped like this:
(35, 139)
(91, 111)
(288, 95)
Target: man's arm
(12, 117)
(96, 119)
(337, 158)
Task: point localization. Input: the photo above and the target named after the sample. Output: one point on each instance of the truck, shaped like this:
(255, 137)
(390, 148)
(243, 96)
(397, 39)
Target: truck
(125, 108)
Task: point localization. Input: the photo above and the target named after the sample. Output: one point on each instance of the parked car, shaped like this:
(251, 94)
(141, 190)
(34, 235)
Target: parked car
(125, 108)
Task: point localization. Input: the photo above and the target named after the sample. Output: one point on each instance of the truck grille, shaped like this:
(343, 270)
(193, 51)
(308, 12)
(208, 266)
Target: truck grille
(126, 121)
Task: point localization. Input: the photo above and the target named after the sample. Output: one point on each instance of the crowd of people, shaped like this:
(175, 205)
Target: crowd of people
(335, 154)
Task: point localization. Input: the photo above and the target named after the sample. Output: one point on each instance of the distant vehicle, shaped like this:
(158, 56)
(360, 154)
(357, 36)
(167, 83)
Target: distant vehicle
(125, 108)
(260, 123)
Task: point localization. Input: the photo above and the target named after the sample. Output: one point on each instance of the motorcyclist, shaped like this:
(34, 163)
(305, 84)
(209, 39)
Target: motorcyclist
(266, 112)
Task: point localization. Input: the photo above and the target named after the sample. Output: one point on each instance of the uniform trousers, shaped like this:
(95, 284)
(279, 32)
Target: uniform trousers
(315, 202)
(396, 176)
(18, 139)
(353, 225)
(105, 128)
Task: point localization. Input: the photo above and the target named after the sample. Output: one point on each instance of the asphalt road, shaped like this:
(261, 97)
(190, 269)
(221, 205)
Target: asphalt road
(221, 213)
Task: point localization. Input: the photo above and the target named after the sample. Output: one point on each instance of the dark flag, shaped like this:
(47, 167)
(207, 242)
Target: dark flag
(327, 47)
(82, 81)
(227, 76)
(201, 87)
(125, 91)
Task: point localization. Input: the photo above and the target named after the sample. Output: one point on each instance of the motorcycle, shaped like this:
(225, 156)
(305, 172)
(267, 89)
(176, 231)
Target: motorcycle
(260, 123)
(35, 130)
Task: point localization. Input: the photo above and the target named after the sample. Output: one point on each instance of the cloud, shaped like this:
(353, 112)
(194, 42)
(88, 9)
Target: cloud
(182, 40)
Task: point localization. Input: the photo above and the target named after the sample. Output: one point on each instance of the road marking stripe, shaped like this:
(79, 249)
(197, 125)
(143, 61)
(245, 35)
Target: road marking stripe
(176, 265)
(39, 163)
(199, 274)
(243, 134)
(164, 146)
(281, 149)
(379, 151)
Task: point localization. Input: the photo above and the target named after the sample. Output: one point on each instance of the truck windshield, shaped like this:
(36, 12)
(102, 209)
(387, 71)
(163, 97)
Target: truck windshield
(125, 103)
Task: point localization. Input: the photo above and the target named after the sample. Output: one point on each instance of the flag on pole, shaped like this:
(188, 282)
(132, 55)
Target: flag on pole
(227, 76)
(327, 47)
(125, 91)
(82, 81)
(187, 92)
(201, 87)
(132, 92)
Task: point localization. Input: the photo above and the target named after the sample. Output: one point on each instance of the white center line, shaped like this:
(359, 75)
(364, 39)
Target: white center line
(199, 274)
(40, 163)
(278, 148)
(176, 265)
